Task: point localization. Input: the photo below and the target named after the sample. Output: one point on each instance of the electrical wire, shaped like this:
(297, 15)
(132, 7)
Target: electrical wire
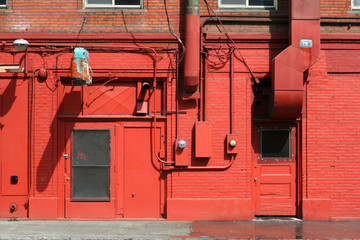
(82, 25)
(172, 32)
(242, 59)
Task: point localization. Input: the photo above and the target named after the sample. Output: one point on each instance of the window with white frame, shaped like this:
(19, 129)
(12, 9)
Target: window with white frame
(113, 3)
(247, 3)
(355, 4)
(3, 3)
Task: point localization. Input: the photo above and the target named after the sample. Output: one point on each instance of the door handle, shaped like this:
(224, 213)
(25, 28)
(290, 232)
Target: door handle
(133, 194)
(67, 179)
(255, 179)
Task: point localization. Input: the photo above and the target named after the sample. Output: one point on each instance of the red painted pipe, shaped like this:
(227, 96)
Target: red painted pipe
(192, 44)
(232, 92)
(198, 168)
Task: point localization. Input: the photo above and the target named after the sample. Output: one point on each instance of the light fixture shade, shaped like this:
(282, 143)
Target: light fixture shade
(21, 44)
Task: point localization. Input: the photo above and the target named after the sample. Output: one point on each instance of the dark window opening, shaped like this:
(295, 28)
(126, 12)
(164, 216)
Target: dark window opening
(127, 2)
(247, 3)
(90, 165)
(3, 3)
(234, 2)
(268, 3)
(114, 3)
(275, 143)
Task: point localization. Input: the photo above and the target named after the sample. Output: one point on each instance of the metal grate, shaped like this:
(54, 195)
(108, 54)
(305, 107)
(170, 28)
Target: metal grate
(90, 165)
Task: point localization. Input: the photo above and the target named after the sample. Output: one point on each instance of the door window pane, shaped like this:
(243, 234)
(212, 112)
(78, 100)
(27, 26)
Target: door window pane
(356, 3)
(90, 165)
(90, 147)
(90, 183)
(275, 143)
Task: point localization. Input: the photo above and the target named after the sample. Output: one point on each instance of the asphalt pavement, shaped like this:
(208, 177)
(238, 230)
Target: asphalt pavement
(173, 230)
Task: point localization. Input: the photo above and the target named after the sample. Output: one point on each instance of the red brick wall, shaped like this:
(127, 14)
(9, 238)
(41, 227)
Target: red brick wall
(330, 132)
(68, 17)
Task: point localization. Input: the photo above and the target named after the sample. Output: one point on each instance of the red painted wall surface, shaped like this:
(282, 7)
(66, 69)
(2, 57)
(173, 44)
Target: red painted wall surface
(34, 113)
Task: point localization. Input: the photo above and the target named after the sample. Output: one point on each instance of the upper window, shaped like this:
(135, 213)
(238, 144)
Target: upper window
(3, 3)
(356, 4)
(114, 3)
(247, 3)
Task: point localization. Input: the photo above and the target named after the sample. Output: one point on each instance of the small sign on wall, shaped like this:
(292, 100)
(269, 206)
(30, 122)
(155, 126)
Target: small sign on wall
(306, 43)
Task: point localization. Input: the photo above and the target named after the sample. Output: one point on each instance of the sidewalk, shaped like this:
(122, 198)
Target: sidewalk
(159, 230)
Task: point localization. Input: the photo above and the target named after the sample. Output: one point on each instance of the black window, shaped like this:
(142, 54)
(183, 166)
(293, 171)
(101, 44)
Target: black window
(261, 3)
(246, 3)
(3, 3)
(275, 143)
(90, 165)
(114, 3)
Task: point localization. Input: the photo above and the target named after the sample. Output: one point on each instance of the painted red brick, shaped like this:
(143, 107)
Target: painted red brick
(329, 136)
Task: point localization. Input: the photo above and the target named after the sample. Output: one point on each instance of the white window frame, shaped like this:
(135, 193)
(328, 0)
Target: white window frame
(353, 5)
(4, 6)
(246, 5)
(112, 5)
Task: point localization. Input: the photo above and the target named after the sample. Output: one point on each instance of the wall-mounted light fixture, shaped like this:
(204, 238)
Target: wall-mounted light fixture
(181, 144)
(232, 143)
(145, 86)
(21, 45)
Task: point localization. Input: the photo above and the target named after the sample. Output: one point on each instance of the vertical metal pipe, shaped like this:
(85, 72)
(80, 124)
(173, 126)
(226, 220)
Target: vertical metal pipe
(202, 90)
(192, 44)
(232, 92)
(205, 93)
(177, 98)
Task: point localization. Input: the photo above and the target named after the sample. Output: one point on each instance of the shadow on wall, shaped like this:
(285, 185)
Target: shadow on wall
(8, 97)
(48, 162)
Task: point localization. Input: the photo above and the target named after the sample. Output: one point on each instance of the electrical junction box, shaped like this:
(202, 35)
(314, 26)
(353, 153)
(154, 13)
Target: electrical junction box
(203, 139)
(181, 153)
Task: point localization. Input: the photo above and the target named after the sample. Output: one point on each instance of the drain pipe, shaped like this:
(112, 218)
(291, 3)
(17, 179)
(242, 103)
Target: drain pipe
(289, 66)
(192, 44)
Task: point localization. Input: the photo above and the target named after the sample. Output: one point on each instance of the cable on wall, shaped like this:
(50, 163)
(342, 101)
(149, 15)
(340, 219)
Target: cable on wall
(242, 59)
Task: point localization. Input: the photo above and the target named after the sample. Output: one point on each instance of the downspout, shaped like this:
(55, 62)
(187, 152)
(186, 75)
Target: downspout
(289, 66)
(192, 44)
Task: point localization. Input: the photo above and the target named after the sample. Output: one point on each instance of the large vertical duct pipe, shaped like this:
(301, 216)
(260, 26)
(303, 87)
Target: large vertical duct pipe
(288, 67)
(192, 44)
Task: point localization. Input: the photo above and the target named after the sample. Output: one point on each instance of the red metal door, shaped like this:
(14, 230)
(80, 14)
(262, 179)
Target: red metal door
(275, 171)
(90, 170)
(141, 175)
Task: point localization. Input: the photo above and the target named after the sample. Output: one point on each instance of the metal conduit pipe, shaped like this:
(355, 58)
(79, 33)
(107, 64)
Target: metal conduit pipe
(198, 168)
(155, 155)
(232, 92)
(192, 44)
